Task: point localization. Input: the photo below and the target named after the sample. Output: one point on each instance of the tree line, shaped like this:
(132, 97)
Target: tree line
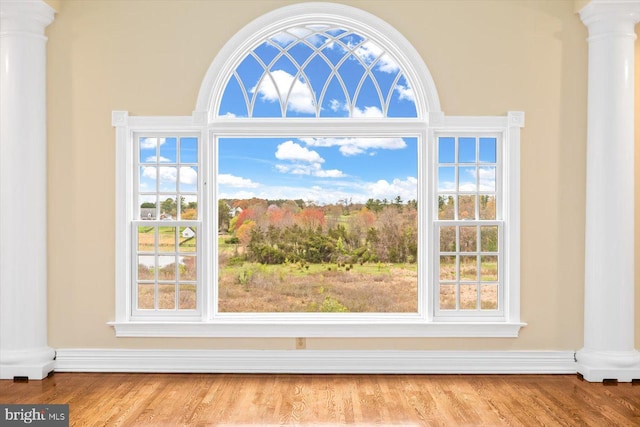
(275, 232)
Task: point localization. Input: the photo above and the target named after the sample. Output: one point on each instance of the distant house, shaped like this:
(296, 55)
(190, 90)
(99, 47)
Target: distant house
(148, 213)
(235, 211)
(188, 233)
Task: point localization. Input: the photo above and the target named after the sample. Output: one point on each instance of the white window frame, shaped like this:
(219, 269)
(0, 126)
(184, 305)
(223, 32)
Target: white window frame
(431, 122)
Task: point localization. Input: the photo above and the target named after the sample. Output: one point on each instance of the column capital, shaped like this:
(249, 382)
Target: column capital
(611, 17)
(25, 17)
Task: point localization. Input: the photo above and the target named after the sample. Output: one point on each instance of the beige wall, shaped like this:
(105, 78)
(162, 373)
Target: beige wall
(149, 57)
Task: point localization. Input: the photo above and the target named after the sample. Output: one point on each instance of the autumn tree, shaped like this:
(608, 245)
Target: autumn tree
(311, 218)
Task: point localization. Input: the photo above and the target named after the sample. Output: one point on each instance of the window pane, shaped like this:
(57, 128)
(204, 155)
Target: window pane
(166, 267)
(489, 297)
(487, 175)
(489, 268)
(147, 207)
(468, 268)
(166, 297)
(468, 239)
(326, 239)
(448, 239)
(148, 179)
(487, 150)
(467, 150)
(448, 267)
(188, 179)
(146, 267)
(146, 239)
(468, 179)
(189, 207)
(447, 297)
(187, 268)
(167, 239)
(446, 178)
(489, 238)
(146, 296)
(167, 178)
(187, 299)
(487, 208)
(446, 207)
(189, 150)
(446, 150)
(468, 297)
(466, 207)
(168, 207)
(168, 150)
(149, 150)
(187, 239)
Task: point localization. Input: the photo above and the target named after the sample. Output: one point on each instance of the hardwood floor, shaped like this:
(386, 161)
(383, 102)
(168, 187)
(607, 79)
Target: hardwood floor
(417, 400)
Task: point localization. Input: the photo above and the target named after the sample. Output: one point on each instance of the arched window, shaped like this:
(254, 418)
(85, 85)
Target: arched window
(317, 190)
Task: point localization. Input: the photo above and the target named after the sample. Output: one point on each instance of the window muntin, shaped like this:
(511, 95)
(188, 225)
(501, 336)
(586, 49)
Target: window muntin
(166, 229)
(311, 225)
(469, 226)
(167, 178)
(318, 70)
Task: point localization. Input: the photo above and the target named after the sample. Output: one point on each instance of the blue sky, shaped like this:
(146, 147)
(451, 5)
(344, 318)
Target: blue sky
(474, 161)
(317, 70)
(310, 71)
(321, 170)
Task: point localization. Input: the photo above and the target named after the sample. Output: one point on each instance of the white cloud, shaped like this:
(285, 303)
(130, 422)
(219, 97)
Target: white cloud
(289, 150)
(407, 189)
(336, 105)
(155, 159)
(405, 92)
(367, 112)
(372, 111)
(331, 173)
(283, 38)
(236, 181)
(303, 161)
(148, 143)
(282, 84)
(229, 114)
(188, 175)
(369, 52)
(298, 169)
(446, 186)
(487, 179)
(355, 146)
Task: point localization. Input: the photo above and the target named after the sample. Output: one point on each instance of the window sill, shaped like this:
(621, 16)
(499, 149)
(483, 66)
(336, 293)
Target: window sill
(168, 329)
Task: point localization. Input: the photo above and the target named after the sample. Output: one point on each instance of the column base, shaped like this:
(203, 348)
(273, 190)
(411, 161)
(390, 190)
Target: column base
(33, 364)
(597, 366)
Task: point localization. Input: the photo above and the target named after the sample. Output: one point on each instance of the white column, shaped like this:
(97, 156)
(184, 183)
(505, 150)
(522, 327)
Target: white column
(23, 190)
(608, 351)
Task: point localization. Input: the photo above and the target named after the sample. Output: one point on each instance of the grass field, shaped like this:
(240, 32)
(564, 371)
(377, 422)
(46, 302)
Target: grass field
(252, 287)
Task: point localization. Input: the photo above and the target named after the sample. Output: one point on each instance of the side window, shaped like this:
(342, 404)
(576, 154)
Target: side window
(166, 226)
(469, 226)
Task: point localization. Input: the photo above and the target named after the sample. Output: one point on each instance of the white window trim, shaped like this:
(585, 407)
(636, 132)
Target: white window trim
(204, 121)
(422, 324)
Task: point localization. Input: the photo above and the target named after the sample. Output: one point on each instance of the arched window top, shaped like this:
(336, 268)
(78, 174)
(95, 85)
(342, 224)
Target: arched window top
(318, 60)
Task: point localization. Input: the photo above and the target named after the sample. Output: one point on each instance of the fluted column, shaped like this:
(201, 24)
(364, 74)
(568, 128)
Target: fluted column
(608, 351)
(23, 190)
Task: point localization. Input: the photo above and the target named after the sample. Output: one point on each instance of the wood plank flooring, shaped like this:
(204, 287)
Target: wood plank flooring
(392, 400)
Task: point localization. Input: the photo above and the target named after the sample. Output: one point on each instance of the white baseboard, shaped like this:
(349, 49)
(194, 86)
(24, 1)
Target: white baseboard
(316, 361)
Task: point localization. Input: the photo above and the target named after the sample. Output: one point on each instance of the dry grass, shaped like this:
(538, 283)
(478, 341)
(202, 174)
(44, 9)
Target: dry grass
(166, 297)
(469, 297)
(291, 288)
